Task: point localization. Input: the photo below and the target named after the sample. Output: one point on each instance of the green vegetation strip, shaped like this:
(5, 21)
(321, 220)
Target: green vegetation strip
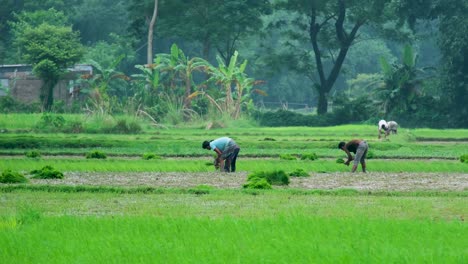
(199, 165)
(227, 227)
(202, 190)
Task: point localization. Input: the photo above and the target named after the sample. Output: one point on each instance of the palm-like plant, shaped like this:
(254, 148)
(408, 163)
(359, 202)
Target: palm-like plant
(231, 78)
(99, 83)
(401, 83)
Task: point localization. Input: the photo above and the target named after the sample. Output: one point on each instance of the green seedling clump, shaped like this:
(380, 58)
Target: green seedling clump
(340, 161)
(33, 154)
(277, 177)
(47, 172)
(311, 156)
(148, 156)
(287, 157)
(257, 183)
(299, 173)
(464, 158)
(370, 155)
(9, 176)
(96, 155)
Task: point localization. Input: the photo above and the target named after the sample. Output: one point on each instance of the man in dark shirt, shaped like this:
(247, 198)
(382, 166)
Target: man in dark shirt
(358, 147)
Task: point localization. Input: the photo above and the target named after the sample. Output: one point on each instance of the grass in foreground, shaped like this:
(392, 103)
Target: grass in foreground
(230, 227)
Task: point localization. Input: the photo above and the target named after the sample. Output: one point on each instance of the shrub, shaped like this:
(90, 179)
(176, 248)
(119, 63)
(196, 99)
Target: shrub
(51, 122)
(33, 154)
(47, 172)
(96, 154)
(148, 156)
(464, 158)
(340, 161)
(299, 173)
(9, 176)
(126, 127)
(273, 177)
(257, 183)
(311, 156)
(287, 157)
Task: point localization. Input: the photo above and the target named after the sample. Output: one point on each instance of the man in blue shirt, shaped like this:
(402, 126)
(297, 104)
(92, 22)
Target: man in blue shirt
(226, 150)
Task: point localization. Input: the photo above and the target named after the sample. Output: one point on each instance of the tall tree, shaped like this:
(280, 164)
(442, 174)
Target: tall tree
(331, 27)
(215, 24)
(50, 49)
(149, 58)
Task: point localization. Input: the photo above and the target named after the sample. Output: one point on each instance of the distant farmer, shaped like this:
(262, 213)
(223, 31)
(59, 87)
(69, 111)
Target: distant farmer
(392, 127)
(383, 127)
(226, 150)
(358, 147)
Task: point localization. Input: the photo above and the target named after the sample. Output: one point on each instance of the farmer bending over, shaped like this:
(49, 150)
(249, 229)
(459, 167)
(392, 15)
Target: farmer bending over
(383, 127)
(227, 151)
(358, 147)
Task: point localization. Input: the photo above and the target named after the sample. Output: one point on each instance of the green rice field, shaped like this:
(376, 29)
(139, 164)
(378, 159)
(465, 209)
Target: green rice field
(411, 206)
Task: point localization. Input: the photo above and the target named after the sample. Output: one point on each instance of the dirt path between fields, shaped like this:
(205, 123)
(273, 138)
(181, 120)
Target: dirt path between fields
(327, 181)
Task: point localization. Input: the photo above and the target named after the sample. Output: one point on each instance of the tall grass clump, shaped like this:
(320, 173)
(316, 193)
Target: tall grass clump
(256, 180)
(299, 173)
(47, 172)
(287, 157)
(9, 176)
(464, 158)
(310, 156)
(150, 156)
(96, 154)
(33, 154)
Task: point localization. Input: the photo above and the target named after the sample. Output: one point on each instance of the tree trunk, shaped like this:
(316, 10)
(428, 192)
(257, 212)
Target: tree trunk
(149, 58)
(47, 94)
(345, 40)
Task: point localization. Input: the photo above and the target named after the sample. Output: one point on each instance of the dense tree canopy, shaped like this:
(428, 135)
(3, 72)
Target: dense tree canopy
(307, 54)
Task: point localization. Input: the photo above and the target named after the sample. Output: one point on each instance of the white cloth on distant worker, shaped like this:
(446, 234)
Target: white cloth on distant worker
(383, 125)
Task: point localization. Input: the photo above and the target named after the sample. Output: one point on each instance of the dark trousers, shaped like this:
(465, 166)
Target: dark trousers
(231, 161)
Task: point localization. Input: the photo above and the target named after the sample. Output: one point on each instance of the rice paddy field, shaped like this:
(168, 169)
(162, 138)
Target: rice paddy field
(411, 206)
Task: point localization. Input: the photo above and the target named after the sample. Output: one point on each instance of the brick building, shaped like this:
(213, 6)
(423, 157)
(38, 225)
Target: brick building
(19, 82)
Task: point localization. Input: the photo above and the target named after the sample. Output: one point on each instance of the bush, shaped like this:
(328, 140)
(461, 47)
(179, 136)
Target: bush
(257, 183)
(273, 177)
(9, 176)
(464, 158)
(51, 122)
(96, 154)
(33, 154)
(124, 127)
(47, 172)
(311, 156)
(287, 157)
(299, 173)
(148, 156)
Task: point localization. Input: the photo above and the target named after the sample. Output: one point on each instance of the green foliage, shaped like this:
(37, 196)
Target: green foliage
(33, 154)
(370, 154)
(257, 183)
(50, 49)
(96, 154)
(464, 158)
(310, 156)
(47, 172)
(299, 173)
(9, 176)
(340, 161)
(51, 122)
(124, 126)
(149, 156)
(276, 177)
(287, 157)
